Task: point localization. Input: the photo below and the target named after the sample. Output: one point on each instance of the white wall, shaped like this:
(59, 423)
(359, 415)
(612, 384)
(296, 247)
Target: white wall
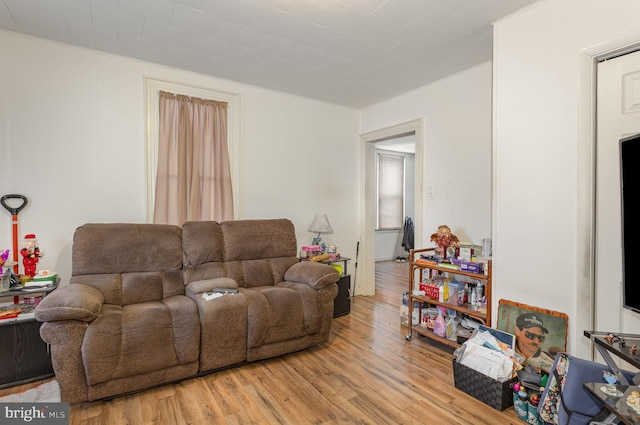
(457, 152)
(72, 139)
(541, 152)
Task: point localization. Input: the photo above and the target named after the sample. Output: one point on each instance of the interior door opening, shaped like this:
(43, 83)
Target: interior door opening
(365, 284)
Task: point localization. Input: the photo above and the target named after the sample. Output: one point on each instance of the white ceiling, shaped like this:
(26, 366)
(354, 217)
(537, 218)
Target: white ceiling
(349, 52)
(405, 144)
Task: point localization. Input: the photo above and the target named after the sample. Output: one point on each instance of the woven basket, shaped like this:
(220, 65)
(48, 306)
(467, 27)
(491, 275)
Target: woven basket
(498, 395)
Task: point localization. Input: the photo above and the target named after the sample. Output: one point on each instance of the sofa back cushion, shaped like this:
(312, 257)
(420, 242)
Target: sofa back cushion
(258, 239)
(258, 252)
(203, 250)
(129, 263)
(252, 252)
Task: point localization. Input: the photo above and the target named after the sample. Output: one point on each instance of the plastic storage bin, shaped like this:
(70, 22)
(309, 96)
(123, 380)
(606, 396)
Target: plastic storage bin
(456, 293)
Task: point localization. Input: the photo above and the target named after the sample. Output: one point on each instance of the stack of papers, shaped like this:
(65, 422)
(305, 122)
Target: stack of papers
(218, 292)
(32, 284)
(212, 295)
(484, 353)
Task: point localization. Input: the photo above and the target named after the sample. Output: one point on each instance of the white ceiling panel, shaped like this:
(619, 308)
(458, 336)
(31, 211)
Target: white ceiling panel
(107, 15)
(85, 34)
(349, 52)
(274, 22)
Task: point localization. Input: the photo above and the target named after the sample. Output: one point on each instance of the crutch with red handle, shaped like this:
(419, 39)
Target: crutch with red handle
(14, 220)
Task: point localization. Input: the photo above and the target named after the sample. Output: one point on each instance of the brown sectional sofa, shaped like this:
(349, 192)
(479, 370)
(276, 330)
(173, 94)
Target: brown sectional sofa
(133, 315)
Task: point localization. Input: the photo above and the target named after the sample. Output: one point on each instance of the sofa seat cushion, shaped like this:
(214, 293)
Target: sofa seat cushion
(141, 338)
(282, 312)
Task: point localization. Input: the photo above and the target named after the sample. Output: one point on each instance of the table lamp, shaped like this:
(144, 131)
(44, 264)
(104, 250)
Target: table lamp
(320, 224)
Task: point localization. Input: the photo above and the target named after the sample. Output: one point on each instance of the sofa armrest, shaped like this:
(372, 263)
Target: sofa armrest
(70, 302)
(316, 275)
(198, 287)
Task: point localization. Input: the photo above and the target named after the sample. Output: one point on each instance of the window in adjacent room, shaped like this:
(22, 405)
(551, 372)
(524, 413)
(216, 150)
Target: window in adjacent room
(390, 191)
(191, 135)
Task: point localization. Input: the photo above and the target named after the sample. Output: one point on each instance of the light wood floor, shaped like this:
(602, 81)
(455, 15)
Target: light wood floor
(366, 374)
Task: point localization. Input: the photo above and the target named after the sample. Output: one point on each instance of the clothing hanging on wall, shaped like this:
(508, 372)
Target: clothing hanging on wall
(407, 237)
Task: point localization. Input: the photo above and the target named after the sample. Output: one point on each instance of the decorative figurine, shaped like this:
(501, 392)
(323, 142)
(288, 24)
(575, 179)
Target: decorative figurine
(30, 254)
(444, 239)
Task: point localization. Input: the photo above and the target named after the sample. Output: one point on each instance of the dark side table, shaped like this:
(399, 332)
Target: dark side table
(620, 345)
(24, 356)
(342, 301)
(616, 404)
(626, 347)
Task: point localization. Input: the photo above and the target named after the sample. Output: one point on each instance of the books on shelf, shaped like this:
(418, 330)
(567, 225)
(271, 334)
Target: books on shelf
(12, 311)
(425, 262)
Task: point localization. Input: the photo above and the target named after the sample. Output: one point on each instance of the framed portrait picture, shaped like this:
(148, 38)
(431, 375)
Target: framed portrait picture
(540, 333)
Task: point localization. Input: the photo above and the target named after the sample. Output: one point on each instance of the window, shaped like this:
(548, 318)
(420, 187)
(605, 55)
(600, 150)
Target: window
(153, 89)
(390, 191)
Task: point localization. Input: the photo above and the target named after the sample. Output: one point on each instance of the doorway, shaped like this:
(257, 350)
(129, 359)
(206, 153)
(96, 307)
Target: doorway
(365, 284)
(388, 241)
(586, 259)
(617, 116)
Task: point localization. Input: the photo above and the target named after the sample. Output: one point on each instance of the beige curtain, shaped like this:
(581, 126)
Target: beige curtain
(193, 180)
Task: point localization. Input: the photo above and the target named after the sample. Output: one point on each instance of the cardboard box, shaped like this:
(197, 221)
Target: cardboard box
(404, 316)
(472, 267)
(498, 395)
(5, 280)
(430, 290)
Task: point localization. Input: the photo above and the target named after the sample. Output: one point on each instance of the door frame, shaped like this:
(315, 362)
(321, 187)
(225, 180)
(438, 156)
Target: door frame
(366, 285)
(586, 169)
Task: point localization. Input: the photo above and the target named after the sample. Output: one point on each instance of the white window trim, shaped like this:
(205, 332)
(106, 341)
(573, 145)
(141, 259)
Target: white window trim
(153, 87)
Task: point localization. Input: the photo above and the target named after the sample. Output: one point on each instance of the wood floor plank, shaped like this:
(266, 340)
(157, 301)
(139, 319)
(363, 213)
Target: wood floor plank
(367, 373)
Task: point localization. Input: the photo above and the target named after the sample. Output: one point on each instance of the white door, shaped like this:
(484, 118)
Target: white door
(618, 116)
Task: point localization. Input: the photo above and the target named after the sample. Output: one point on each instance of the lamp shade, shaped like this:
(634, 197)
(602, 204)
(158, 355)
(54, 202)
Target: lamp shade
(320, 224)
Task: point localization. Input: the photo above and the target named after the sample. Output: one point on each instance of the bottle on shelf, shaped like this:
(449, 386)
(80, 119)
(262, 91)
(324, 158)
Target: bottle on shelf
(440, 326)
